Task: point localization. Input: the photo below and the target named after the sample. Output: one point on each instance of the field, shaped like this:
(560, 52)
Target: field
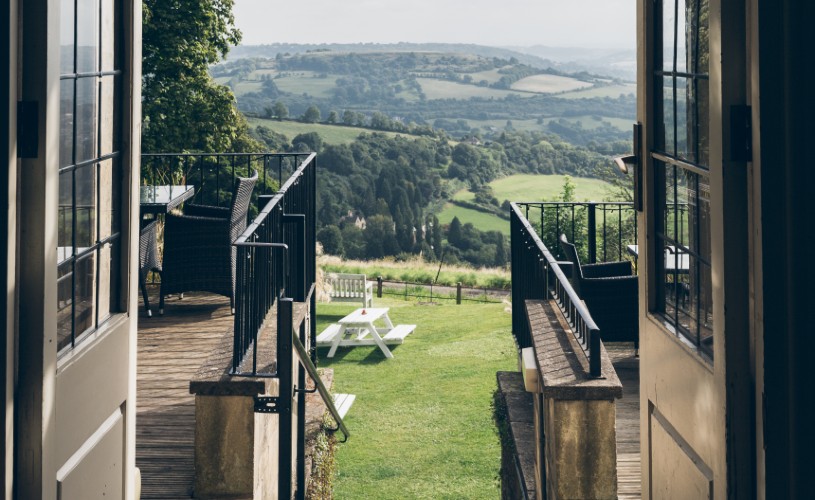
(613, 91)
(588, 122)
(521, 187)
(483, 221)
(421, 425)
(591, 122)
(491, 76)
(331, 134)
(549, 84)
(301, 82)
(526, 187)
(442, 89)
(418, 271)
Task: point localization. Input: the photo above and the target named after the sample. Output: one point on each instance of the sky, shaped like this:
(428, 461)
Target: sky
(557, 23)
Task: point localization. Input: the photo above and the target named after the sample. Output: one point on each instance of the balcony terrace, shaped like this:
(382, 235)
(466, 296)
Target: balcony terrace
(600, 231)
(173, 347)
(199, 353)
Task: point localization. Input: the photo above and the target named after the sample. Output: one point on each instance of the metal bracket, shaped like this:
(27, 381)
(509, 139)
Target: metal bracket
(266, 404)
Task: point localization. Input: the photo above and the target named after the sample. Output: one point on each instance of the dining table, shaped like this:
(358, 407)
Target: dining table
(160, 199)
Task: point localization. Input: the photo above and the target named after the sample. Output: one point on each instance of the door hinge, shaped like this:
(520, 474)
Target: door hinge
(266, 404)
(741, 133)
(28, 129)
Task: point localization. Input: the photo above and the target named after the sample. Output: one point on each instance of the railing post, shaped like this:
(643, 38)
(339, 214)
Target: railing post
(284, 368)
(301, 419)
(458, 293)
(379, 287)
(595, 369)
(592, 233)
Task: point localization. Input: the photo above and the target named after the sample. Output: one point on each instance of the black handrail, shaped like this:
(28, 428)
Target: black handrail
(275, 258)
(311, 369)
(600, 230)
(214, 174)
(532, 265)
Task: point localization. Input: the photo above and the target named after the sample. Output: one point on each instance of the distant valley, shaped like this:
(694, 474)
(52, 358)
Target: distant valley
(416, 138)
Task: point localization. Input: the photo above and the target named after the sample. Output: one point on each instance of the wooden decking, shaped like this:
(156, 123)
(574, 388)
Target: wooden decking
(628, 421)
(171, 350)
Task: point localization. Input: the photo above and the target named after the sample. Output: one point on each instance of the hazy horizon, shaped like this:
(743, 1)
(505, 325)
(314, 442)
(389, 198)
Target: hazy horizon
(519, 23)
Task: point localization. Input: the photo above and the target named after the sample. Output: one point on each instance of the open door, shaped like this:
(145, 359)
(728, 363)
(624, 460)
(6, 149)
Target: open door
(694, 350)
(78, 70)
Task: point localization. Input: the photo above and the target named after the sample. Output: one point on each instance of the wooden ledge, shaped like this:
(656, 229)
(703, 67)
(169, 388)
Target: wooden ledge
(563, 367)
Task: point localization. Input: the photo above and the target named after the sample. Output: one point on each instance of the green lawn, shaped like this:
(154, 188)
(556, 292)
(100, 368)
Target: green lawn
(421, 426)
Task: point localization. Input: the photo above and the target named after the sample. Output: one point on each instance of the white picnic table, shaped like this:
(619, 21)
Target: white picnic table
(360, 329)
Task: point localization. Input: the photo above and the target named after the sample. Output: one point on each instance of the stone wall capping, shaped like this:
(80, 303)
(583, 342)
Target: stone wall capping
(563, 367)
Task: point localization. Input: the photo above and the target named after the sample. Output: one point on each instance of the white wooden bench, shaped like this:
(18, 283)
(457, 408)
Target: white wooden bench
(343, 403)
(345, 287)
(397, 334)
(326, 336)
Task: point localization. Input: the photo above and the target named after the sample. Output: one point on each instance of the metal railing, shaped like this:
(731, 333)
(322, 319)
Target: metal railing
(214, 174)
(276, 259)
(600, 230)
(536, 274)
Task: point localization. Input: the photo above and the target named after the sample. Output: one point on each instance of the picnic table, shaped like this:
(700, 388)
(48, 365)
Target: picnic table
(360, 329)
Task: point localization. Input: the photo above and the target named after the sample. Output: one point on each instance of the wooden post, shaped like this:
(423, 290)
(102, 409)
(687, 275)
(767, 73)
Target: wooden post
(458, 293)
(379, 287)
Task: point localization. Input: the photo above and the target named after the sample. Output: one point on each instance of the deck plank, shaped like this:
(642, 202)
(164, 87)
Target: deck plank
(171, 349)
(629, 480)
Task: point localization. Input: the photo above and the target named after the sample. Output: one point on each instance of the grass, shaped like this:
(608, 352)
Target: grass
(421, 424)
(418, 271)
(549, 84)
(587, 121)
(481, 220)
(613, 91)
(520, 187)
(527, 187)
(490, 75)
(443, 89)
(331, 134)
(301, 82)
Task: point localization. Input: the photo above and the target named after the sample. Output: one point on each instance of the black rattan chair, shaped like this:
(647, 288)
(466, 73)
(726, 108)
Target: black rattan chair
(198, 251)
(611, 293)
(148, 258)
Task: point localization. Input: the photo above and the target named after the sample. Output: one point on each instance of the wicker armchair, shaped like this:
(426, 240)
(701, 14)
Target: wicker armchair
(198, 251)
(611, 292)
(148, 258)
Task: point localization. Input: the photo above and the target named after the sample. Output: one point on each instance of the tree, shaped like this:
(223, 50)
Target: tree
(312, 114)
(332, 117)
(281, 112)
(183, 108)
(454, 232)
(331, 239)
(309, 141)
